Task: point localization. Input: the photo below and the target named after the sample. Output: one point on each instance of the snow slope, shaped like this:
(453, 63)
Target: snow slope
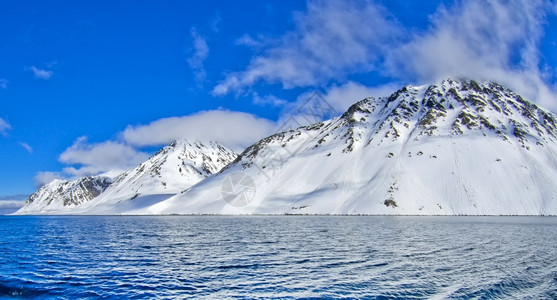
(171, 170)
(452, 148)
(66, 194)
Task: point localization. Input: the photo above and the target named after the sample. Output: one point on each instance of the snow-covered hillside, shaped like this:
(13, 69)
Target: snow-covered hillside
(456, 147)
(173, 169)
(65, 194)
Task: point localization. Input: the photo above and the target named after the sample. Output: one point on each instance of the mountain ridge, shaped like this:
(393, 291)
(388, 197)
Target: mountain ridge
(170, 170)
(470, 136)
(456, 147)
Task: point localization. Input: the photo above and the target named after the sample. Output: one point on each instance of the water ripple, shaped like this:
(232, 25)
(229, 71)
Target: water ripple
(278, 257)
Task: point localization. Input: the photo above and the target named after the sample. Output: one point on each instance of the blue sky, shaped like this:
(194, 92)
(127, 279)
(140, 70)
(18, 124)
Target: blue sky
(88, 87)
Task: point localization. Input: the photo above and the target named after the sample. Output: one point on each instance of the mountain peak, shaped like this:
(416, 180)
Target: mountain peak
(172, 169)
(453, 147)
(455, 107)
(60, 193)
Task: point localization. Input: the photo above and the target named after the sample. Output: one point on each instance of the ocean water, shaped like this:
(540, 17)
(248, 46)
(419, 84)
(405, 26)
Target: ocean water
(278, 257)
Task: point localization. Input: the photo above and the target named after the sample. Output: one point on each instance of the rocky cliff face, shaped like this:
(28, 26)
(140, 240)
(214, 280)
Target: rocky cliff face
(68, 193)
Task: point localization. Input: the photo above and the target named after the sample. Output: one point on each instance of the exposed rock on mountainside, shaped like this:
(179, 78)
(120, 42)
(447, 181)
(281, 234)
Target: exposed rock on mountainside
(68, 193)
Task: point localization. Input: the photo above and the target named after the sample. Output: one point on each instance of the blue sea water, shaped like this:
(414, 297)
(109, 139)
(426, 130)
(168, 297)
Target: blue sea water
(278, 257)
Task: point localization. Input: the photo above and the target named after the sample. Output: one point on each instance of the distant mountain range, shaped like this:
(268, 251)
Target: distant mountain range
(458, 147)
(171, 170)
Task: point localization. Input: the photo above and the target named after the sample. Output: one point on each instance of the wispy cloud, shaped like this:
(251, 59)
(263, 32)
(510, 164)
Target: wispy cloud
(268, 100)
(40, 73)
(3, 83)
(215, 23)
(4, 126)
(330, 40)
(343, 96)
(200, 51)
(488, 40)
(249, 41)
(26, 147)
(233, 129)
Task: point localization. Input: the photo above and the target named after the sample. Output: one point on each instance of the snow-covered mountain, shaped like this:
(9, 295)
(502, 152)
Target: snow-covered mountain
(456, 147)
(171, 170)
(62, 194)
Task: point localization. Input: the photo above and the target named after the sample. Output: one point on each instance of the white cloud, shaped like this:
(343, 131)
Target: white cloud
(51, 64)
(11, 204)
(487, 40)
(268, 100)
(495, 40)
(4, 126)
(99, 157)
(17, 197)
(343, 96)
(45, 177)
(233, 129)
(3, 83)
(200, 52)
(215, 23)
(315, 106)
(26, 147)
(248, 41)
(40, 73)
(330, 40)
